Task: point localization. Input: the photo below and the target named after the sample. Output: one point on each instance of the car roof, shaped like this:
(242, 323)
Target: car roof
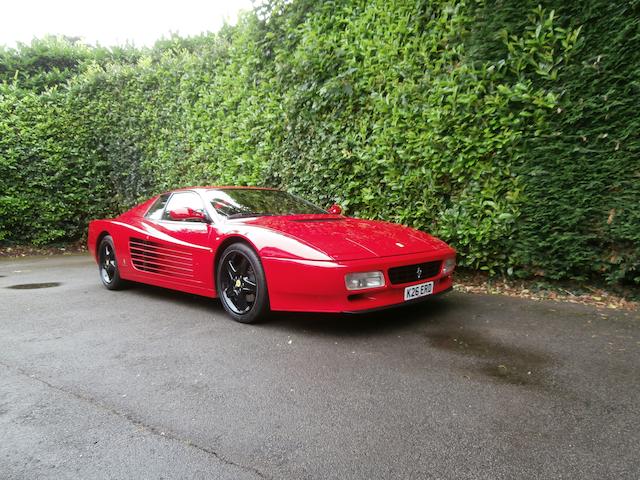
(220, 187)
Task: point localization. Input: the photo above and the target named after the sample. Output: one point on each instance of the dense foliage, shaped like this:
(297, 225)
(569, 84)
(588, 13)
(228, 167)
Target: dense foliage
(506, 127)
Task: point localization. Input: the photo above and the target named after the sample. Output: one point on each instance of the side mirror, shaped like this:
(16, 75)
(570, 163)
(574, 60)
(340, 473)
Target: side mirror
(185, 213)
(335, 209)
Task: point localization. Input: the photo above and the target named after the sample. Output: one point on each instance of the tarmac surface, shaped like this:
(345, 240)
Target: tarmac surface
(149, 383)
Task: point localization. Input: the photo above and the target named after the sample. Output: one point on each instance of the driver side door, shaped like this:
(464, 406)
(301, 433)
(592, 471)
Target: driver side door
(176, 253)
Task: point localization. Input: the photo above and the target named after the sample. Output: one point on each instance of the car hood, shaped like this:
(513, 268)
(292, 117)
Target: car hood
(344, 238)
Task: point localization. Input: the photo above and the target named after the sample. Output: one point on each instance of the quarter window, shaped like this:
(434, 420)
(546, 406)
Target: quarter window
(155, 212)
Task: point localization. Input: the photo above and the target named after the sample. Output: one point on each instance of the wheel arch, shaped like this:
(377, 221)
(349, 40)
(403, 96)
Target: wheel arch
(99, 239)
(230, 240)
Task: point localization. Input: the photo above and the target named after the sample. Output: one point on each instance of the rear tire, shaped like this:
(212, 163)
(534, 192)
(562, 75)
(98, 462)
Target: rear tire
(108, 265)
(241, 284)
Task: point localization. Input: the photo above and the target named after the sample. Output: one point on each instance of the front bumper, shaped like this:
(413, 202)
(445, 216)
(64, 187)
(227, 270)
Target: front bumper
(403, 304)
(318, 286)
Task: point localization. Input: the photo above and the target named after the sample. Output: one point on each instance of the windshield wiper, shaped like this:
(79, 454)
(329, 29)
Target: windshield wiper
(246, 215)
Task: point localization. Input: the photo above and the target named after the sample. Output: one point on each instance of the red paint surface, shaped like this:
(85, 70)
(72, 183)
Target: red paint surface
(305, 257)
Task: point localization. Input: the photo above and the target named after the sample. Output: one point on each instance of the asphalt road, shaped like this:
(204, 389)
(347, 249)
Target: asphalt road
(148, 383)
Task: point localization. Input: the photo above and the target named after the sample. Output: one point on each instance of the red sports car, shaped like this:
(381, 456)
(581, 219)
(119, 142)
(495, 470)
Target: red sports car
(262, 249)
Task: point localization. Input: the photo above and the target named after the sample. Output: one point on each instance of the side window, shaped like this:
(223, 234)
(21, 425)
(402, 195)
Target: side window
(155, 212)
(184, 200)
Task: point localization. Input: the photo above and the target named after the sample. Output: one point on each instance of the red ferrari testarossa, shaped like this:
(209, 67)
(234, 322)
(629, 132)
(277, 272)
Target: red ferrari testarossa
(262, 249)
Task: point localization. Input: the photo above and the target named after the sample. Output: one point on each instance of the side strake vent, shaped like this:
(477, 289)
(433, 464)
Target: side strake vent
(151, 257)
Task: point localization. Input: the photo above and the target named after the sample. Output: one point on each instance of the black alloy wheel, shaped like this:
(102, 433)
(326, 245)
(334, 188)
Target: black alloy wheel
(241, 284)
(108, 265)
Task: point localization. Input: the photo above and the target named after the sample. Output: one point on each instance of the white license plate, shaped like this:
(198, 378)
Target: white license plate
(417, 291)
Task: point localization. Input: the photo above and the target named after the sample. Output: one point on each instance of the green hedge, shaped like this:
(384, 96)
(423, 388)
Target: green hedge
(506, 127)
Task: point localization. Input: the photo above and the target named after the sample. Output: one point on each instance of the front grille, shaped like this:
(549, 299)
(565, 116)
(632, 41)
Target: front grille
(413, 273)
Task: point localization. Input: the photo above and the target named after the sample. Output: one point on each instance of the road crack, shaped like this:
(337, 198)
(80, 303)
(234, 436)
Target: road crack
(133, 420)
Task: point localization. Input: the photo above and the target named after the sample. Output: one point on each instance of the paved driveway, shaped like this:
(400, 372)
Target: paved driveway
(148, 383)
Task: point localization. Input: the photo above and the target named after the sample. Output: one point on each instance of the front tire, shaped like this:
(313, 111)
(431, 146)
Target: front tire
(241, 284)
(108, 265)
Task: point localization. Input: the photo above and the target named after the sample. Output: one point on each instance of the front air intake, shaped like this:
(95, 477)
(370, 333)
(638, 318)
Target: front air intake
(413, 273)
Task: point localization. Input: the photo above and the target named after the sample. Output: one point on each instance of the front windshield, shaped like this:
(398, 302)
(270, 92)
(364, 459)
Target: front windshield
(238, 202)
